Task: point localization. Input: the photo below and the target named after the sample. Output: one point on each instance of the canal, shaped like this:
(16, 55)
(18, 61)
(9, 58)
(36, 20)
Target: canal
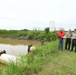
(16, 47)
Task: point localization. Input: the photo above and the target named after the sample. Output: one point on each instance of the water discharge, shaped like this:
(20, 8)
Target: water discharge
(14, 49)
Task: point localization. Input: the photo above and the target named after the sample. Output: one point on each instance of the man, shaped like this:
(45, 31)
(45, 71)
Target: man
(61, 34)
(68, 39)
(74, 40)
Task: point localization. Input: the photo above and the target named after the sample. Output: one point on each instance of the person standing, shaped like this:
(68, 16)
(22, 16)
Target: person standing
(61, 34)
(74, 40)
(68, 39)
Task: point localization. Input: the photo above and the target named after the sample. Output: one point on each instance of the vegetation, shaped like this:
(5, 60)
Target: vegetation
(45, 35)
(32, 63)
(47, 30)
(63, 64)
(45, 60)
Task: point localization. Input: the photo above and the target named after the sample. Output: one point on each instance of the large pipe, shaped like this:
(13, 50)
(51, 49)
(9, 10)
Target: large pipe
(6, 58)
(31, 48)
(2, 52)
(10, 58)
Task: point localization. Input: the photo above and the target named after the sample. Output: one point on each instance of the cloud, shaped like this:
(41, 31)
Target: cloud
(33, 13)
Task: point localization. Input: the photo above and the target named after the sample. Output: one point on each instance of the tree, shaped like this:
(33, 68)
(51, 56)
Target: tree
(47, 30)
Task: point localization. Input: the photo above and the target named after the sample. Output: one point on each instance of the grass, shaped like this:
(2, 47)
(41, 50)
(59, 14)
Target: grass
(45, 60)
(63, 64)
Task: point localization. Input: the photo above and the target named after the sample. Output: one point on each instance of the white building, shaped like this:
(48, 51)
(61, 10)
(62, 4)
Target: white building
(52, 25)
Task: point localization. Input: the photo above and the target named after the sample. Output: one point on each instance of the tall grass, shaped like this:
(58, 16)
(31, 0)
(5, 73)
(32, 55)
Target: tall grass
(32, 63)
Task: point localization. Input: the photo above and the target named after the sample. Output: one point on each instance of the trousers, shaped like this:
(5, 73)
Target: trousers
(73, 45)
(60, 45)
(67, 43)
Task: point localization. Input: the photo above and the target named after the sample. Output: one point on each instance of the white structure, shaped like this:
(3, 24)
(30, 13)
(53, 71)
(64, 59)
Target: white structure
(38, 28)
(52, 25)
(7, 58)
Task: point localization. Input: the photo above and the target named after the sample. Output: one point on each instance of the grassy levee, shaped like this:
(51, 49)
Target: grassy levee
(45, 60)
(35, 61)
(62, 64)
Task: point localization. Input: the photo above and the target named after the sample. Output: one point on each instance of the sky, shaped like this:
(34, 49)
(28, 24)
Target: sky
(30, 14)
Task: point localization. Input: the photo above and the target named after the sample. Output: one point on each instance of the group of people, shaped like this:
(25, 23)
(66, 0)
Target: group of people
(70, 40)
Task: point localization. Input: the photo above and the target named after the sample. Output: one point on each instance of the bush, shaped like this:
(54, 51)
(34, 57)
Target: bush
(31, 35)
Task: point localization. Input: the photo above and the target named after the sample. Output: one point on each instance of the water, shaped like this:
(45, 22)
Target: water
(14, 49)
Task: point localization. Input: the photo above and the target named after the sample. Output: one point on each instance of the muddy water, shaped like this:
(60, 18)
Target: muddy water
(16, 47)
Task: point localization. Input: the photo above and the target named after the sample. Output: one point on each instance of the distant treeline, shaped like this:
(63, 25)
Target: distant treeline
(45, 35)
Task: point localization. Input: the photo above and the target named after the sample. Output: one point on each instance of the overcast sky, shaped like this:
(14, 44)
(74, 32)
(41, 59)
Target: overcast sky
(27, 14)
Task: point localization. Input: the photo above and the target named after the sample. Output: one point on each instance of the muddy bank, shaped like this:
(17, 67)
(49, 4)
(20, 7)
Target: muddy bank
(19, 41)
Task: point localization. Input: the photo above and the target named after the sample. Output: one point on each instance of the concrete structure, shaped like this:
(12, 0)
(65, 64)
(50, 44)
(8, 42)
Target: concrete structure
(52, 25)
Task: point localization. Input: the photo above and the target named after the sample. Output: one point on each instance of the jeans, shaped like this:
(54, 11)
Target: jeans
(60, 45)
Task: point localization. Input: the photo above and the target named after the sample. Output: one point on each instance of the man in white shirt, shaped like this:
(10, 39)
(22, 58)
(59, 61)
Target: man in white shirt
(68, 39)
(74, 40)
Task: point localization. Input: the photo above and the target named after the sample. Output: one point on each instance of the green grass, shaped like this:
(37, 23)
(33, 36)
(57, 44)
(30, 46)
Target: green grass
(63, 64)
(45, 60)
